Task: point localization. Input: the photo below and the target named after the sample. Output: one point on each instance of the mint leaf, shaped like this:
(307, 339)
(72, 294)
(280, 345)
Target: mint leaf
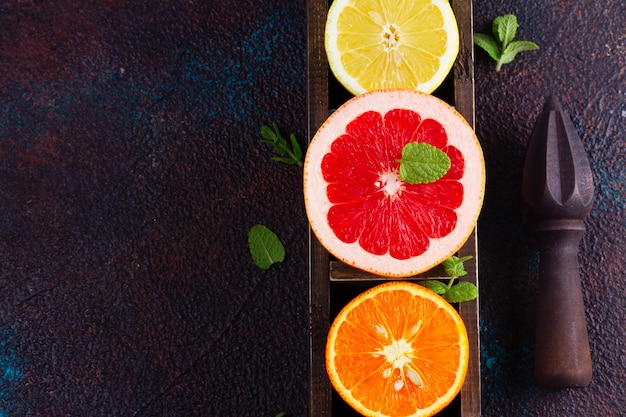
(461, 292)
(454, 266)
(513, 48)
(288, 161)
(434, 285)
(265, 247)
(268, 134)
(453, 293)
(290, 151)
(297, 151)
(505, 28)
(422, 163)
(487, 43)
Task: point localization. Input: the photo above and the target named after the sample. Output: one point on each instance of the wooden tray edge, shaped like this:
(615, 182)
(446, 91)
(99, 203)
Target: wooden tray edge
(320, 389)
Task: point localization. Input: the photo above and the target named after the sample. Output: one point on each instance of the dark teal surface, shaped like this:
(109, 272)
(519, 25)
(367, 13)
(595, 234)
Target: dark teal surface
(582, 60)
(131, 171)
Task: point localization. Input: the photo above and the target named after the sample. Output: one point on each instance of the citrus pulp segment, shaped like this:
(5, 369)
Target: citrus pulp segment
(357, 205)
(376, 44)
(397, 350)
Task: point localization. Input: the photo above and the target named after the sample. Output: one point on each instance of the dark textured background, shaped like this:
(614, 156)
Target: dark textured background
(582, 60)
(130, 173)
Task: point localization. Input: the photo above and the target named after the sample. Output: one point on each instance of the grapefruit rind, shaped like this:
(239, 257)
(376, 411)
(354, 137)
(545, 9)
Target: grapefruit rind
(418, 291)
(460, 135)
(350, 81)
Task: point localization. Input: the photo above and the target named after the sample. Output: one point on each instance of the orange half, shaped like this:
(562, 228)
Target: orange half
(397, 350)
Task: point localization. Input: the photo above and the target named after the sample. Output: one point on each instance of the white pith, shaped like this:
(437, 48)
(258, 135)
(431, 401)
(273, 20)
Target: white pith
(398, 354)
(391, 36)
(390, 183)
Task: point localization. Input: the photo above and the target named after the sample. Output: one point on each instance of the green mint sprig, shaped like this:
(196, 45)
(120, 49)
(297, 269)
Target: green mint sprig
(422, 163)
(265, 246)
(504, 30)
(290, 151)
(453, 293)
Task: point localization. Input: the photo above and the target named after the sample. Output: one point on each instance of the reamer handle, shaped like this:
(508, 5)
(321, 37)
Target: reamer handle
(563, 357)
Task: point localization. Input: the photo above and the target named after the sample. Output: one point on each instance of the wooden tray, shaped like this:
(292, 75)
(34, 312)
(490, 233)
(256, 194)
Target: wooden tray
(331, 283)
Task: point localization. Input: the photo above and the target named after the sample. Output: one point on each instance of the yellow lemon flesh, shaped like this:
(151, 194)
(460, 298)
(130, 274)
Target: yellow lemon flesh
(378, 44)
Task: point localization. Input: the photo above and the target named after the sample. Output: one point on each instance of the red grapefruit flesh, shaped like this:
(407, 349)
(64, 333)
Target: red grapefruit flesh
(357, 205)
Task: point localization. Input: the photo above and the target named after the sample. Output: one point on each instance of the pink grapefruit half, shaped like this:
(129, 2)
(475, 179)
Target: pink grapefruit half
(357, 205)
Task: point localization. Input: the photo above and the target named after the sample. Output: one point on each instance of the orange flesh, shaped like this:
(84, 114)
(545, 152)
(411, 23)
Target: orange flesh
(398, 353)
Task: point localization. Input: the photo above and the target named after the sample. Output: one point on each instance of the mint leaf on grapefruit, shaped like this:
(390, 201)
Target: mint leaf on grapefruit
(422, 163)
(265, 246)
